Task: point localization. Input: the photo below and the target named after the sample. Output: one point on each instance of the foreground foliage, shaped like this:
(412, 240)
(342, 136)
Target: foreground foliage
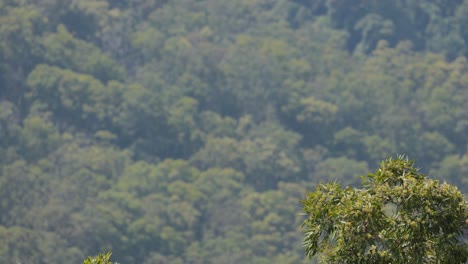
(100, 259)
(399, 216)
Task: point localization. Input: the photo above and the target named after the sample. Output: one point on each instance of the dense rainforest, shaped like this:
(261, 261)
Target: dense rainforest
(187, 131)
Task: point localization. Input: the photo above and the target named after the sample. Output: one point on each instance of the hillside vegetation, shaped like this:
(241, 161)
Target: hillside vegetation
(187, 131)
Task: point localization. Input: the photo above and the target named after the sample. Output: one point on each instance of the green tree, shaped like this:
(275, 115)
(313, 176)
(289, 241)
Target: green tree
(399, 216)
(67, 94)
(19, 49)
(62, 49)
(101, 259)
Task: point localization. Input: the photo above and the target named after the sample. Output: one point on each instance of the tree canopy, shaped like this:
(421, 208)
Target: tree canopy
(399, 216)
(100, 259)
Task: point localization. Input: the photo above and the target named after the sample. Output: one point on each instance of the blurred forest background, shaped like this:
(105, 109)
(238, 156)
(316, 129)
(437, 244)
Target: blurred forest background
(187, 131)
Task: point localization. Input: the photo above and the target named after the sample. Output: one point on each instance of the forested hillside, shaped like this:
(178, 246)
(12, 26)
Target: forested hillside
(187, 131)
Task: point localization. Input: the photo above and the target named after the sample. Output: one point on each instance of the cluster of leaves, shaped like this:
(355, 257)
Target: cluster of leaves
(186, 131)
(399, 216)
(100, 259)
